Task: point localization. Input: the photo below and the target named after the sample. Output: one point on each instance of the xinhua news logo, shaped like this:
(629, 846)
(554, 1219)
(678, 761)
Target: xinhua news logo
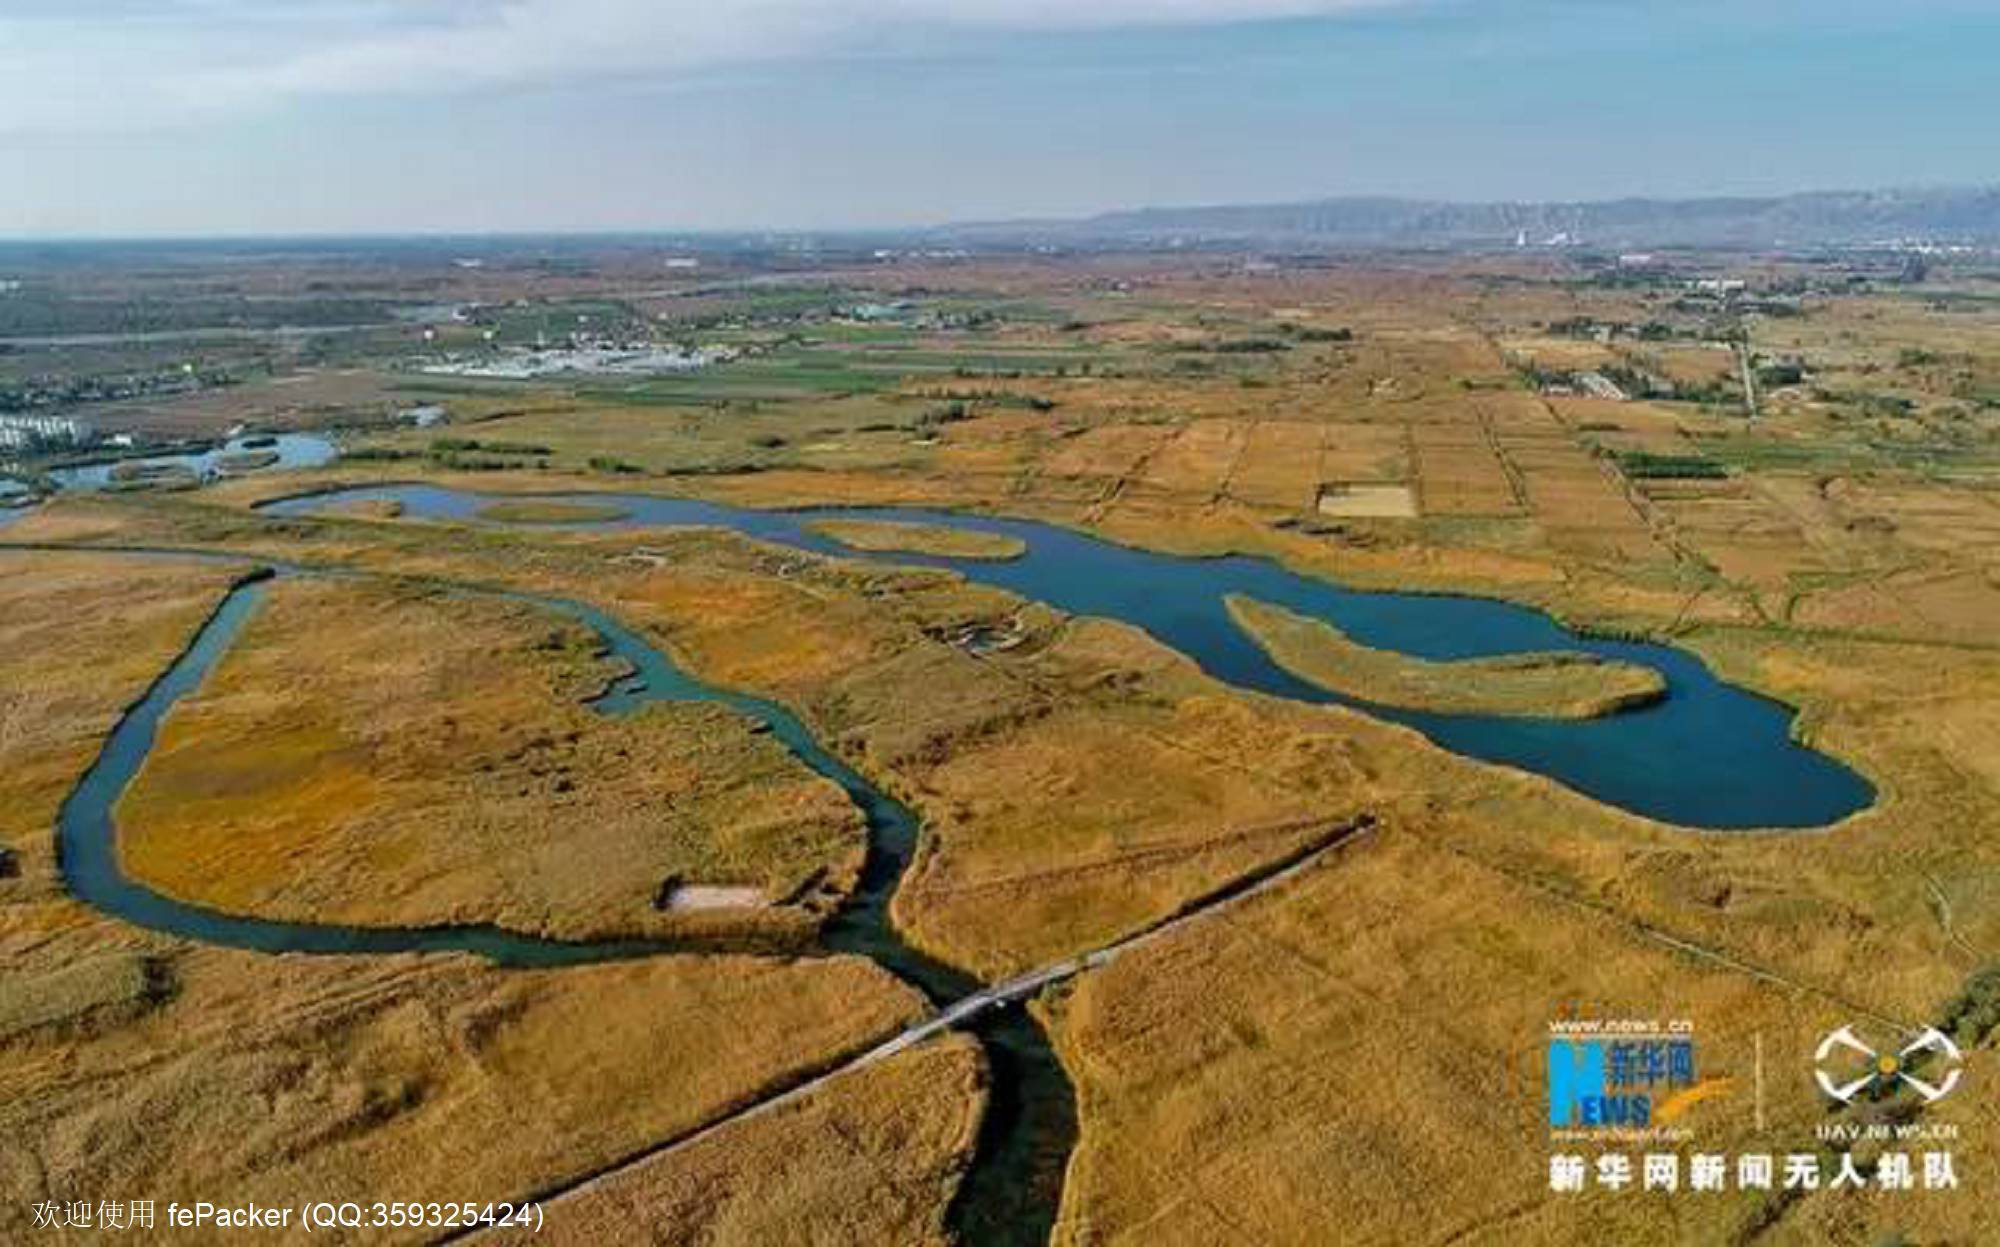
(1845, 1066)
(1617, 1077)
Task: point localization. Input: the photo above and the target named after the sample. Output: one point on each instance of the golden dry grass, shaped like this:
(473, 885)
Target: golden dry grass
(832, 1167)
(376, 756)
(1353, 1058)
(141, 1066)
(1358, 1059)
(1358, 501)
(1299, 1071)
(81, 636)
(274, 1079)
(86, 995)
(1089, 781)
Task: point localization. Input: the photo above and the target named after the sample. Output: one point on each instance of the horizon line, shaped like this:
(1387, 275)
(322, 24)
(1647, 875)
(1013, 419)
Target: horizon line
(578, 233)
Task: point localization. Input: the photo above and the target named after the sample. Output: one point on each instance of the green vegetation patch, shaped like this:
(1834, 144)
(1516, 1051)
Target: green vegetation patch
(446, 445)
(1647, 465)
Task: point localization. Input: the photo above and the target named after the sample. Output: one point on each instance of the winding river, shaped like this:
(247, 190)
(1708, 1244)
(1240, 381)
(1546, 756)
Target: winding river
(1709, 755)
(1011, 1193)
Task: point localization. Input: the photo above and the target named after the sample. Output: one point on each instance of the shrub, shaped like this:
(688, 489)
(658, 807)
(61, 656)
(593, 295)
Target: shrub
(1645, 465)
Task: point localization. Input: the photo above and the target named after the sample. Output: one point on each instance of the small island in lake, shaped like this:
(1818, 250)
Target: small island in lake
(1542, 685)
(884, 536)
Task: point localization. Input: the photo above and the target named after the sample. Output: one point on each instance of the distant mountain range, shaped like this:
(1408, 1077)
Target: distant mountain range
(1970, 215)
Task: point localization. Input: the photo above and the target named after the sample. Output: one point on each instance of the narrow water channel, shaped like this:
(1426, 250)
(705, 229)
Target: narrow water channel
(1011, 1194)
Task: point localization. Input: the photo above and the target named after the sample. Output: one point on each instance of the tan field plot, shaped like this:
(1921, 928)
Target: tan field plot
(1109, 452)
(1692, 365)
(1580, 505)
(1561, 354)
(1279, 466)
(1459, 473)
(1198, 460)
(1349, 501)
(995, 450)
(1625, 426)
(1746, 539)
(1364, 452)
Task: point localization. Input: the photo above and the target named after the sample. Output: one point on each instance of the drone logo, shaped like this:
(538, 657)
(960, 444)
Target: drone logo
(1886, 1065)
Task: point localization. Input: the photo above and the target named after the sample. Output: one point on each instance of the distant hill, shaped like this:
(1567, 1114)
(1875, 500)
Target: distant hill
(1817, 218)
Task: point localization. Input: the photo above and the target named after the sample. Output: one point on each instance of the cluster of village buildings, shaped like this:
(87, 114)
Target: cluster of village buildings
(31, 433)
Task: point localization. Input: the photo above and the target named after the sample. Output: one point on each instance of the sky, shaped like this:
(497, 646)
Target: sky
(234, 117)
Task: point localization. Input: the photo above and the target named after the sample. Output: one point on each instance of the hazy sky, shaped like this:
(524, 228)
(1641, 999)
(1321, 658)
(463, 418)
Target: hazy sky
(255, 116)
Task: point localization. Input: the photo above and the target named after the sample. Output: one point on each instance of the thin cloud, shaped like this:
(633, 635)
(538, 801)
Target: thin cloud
(117, 63)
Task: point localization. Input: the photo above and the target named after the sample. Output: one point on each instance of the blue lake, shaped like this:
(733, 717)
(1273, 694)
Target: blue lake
(1709, 755)
(294, 450)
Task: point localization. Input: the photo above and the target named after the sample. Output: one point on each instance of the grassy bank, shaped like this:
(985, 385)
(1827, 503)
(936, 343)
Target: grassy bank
(885, 536)
(1538, 685)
